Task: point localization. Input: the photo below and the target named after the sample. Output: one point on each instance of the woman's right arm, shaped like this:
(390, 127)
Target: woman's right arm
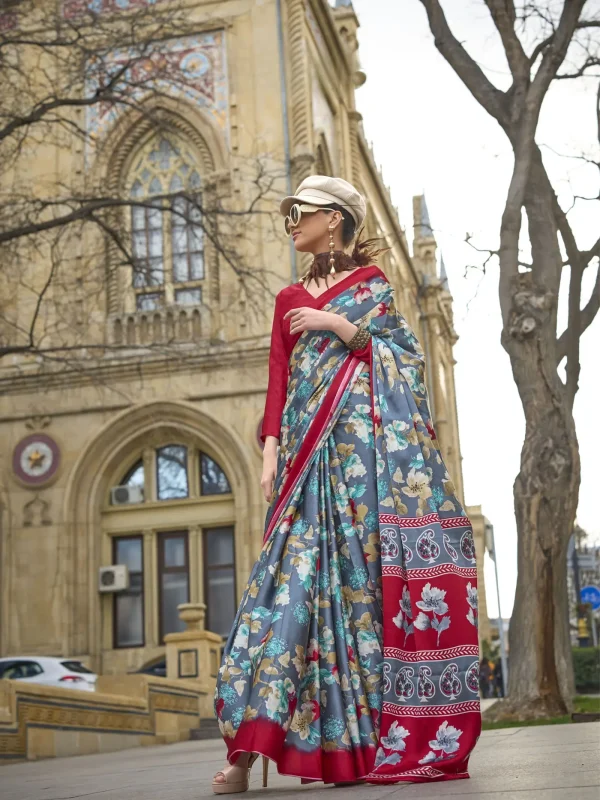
(275, 401)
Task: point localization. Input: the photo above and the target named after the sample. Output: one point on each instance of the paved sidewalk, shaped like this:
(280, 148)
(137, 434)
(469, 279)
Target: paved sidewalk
(553, 762)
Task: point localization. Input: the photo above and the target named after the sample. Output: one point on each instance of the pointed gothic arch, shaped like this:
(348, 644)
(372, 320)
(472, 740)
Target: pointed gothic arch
(185, 127)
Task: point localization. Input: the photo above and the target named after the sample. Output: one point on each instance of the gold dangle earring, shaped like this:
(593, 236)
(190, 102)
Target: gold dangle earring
(331, 250)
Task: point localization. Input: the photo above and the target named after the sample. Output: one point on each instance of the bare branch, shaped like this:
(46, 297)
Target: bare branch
(504, 16)
(491, 98)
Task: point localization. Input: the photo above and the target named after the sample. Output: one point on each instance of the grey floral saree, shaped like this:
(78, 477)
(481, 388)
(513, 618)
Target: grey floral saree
(354, 651)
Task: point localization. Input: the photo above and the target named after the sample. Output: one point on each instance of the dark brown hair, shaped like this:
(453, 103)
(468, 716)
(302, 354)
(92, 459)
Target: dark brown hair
(363, 254)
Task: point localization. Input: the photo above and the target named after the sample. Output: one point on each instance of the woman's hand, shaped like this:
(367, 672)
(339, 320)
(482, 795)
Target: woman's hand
(306, 318)
(312, 319)
(269, 471)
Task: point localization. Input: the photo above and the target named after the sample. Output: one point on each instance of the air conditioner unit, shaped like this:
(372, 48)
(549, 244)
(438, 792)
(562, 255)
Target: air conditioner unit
(113, 579)
(126, 495)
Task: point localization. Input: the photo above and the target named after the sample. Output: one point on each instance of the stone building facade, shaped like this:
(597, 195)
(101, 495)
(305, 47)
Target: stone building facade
(165, 390)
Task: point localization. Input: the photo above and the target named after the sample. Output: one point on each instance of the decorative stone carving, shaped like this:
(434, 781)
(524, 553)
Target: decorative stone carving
(36, 513)
(38, 422)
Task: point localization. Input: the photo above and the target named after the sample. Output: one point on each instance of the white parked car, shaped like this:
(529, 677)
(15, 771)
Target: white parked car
(66, 672)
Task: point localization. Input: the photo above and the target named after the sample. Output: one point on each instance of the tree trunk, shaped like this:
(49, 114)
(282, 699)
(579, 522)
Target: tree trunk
(545, 494)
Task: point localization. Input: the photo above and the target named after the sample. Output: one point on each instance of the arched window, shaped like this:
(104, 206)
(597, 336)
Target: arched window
(176, 542)
(172, 470)
(166, 228)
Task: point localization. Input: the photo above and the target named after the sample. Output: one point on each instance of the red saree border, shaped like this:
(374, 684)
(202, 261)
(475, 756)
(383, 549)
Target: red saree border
(330, 766)
(313, 436)
(424, 573)
(427, 519)
(415, 656)
(465, 707)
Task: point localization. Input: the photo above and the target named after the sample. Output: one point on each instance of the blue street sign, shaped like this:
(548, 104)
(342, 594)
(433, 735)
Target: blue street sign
(591, 595)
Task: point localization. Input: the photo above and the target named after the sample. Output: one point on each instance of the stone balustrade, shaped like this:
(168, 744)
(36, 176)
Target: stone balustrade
(170, 325)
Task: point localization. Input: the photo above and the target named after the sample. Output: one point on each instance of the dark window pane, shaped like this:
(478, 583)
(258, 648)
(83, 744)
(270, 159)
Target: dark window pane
(5, 668)
(174, 592)
(148, 302)
(129, 552)
(135, 476)
(188, 297)
(219, 546)
(140, 249)
(30, 669)
(179, 237)
(197, 266)
(155, 186)
(213, 479)
(155, 272)
(175, 551)
(138, 217)
(220, 596)
(180, 268)
(129, 619)
(76, 666)
(129, 605)
(172, 472)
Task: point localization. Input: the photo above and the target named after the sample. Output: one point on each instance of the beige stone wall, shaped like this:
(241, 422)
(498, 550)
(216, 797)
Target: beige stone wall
(39, 721)
(208, 392)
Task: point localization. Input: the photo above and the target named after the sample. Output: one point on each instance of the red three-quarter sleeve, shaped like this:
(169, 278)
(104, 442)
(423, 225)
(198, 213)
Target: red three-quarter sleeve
(278, 378)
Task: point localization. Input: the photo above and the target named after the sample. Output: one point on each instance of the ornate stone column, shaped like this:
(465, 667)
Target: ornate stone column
(194, 654)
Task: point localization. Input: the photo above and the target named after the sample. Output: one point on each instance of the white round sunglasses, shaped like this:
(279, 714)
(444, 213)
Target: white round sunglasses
(295, 215)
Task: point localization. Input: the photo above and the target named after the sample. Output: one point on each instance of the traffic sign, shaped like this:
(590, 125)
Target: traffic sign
(591, 595)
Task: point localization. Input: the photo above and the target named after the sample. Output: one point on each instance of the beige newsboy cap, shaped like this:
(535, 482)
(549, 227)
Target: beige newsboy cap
(320, 190)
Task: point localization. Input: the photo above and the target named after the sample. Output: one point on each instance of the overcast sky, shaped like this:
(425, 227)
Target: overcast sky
(431, 136)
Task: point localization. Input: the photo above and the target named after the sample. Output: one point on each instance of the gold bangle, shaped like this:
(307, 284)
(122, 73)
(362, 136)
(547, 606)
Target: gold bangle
(361, 339)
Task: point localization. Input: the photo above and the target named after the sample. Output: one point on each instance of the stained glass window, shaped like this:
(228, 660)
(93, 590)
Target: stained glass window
(167, 236)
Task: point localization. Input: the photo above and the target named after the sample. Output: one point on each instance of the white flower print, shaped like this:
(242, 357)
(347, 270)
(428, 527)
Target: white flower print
(358, 422)
(367, 642)
(306, 563)
(446, 739)
(402, 619)
(395, 738)
(242, 635)
(422, 622)
(282, 597)
(472, 596)
(433, 600)
(279, 696)
(417, 485)
(395, 437)
(472, 601)
(399, 619)
(354, 467)
(405, 602)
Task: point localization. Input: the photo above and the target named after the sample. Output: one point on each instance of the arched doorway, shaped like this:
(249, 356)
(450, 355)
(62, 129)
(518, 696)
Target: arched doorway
(184, 531)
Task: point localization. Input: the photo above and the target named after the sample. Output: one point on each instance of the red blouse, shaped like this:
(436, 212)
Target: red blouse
(283, 342)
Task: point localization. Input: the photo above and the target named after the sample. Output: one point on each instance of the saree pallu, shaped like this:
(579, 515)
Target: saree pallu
(354, 651)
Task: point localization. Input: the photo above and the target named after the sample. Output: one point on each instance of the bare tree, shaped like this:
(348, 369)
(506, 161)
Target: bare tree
(66, 234)
(543, 42)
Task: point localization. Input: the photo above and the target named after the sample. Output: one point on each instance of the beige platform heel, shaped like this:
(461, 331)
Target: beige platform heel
(236, 787)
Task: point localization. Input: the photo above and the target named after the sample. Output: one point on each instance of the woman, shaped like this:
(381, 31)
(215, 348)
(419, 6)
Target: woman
(353, 655)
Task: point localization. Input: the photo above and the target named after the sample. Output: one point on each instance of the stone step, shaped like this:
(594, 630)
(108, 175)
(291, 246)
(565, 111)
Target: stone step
(209, 729)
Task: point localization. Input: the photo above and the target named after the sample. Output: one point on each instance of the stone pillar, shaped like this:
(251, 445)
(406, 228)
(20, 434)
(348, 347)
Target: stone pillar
(478, 522)
(194, 654)
(299, 94)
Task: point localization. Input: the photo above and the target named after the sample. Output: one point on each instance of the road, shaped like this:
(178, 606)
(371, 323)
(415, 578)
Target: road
(553, 762)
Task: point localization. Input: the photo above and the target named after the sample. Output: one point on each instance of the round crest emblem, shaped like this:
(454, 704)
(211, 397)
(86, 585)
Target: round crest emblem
(36, 459)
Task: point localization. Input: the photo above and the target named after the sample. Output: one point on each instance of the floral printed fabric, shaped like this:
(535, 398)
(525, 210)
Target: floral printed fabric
(354, 650)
